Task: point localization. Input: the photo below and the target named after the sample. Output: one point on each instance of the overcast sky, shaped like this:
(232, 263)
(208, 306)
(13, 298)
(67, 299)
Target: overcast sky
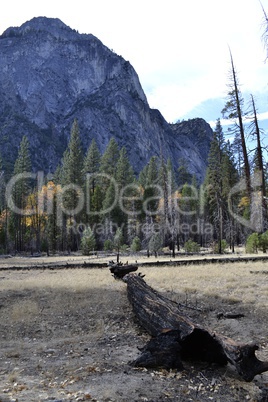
(179, 48)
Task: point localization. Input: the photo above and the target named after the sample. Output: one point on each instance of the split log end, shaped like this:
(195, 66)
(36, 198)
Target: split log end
(244, 359)
(120, 271)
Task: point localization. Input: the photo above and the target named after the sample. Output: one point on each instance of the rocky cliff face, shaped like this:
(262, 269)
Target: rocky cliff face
(51, 74)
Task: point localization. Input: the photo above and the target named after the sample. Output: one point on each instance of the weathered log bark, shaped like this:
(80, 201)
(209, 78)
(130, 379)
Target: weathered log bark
(176, 338)
(119, 271)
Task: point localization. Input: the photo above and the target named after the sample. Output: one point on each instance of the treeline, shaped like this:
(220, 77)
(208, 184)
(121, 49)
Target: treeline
(95, 202)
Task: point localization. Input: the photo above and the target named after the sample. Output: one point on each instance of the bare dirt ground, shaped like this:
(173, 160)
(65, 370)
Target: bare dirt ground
(70, 334)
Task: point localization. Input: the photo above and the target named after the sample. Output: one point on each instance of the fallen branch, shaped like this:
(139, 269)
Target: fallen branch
(176, 338)
(230, 315)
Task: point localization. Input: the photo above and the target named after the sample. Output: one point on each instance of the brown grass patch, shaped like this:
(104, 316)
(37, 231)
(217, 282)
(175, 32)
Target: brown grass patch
(70, 333)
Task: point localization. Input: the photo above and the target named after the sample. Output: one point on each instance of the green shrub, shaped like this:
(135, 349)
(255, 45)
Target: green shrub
(136, 244)
(118, 239)
(155, 243)
(108, 245)
(191, 246)
(124, 248)
(216, 248)
(263, 241)
(252, 243)
(44, 245)
(88, 242)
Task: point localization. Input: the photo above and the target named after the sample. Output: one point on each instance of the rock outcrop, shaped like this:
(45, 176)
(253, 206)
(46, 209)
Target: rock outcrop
(51, 74)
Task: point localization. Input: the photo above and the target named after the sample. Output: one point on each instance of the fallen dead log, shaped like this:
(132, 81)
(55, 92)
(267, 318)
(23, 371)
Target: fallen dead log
(119, 270)
(176, 338)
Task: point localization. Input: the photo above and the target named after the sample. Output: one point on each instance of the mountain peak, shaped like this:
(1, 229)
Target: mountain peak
(53, 26)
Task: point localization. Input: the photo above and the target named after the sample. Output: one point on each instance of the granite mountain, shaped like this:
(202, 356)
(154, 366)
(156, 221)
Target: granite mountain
(50, 74)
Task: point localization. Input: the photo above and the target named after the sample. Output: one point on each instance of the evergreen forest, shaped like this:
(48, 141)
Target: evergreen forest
(95, 202)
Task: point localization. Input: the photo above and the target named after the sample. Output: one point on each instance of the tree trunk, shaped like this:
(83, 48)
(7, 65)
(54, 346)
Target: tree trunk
(176, 338)
(242, 132)
(260, 166)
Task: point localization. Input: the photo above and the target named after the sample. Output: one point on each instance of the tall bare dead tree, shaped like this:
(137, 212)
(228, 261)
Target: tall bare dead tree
(259, 163)
(265, 30)
(233, 111)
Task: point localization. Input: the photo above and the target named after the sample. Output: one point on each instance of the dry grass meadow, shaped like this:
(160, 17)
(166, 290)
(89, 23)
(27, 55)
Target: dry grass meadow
(69, 334)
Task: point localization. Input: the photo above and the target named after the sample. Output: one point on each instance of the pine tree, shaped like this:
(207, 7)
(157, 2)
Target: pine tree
(164, 185)
(155, 243)
(151, 199)
(108, 163)
(165, 217)
(2, 186)
(56, 224)
(229, 169)
(58, 174)
(73, 160)
(184, 176)
(92, 159)
(230, 178)
(72, 180)
(172, 213)
(214, 181)
(151, 193)
(238, 153)
(91, 168)
(124, 172)
(188, 204)
(110, 205)
(23, 161)
(96, 203)
(136, 244)
(115, 215)
(51, 196)
(21, 191)
(143, 175)
(171, 174)
(221, 175)
(124, 178)
(88, 242)
(91, 164)
(3, 208)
